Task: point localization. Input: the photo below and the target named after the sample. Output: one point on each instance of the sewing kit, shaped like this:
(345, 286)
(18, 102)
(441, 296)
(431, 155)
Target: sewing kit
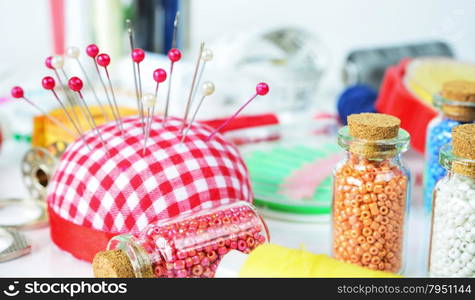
(119, 177)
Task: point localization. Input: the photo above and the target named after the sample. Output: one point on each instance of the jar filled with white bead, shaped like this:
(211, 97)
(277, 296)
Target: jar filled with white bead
(452, 245)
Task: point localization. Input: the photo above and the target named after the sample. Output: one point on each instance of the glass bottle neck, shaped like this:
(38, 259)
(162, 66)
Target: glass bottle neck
(138, 257)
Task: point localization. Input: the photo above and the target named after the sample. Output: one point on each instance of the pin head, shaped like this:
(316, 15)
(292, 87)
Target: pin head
(149, 100)
(48, 62)
(72, 52)
(48, 83)
(174, 54)
(103, 60)
(159, 75)
(207, 55)
(92, 50)
(207, 88)
(262, 88)
(138, 55)
(57, 62)
(17, 92)
(75, 84)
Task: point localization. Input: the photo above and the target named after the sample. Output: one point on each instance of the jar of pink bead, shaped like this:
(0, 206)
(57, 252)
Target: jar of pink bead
(191, 245)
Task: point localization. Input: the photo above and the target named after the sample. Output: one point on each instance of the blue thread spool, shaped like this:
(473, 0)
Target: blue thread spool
(439, 133)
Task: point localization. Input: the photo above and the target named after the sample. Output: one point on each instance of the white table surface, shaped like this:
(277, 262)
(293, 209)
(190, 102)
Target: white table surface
(46, 260)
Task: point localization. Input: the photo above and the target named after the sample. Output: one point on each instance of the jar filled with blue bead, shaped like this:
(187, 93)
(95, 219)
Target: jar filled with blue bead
(456, 103)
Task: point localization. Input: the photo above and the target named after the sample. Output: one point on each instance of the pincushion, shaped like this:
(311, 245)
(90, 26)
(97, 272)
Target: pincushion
(94, 195)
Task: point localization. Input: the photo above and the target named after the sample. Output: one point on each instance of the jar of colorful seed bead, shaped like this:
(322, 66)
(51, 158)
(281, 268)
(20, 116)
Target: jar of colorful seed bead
(191, 245)
(371, 193)
(456, 103)
(452, 251)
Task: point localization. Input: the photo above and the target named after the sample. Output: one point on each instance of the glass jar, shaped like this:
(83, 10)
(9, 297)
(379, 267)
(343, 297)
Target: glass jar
(452, 245)
(451, 114)
(370, 202)
(193, 244)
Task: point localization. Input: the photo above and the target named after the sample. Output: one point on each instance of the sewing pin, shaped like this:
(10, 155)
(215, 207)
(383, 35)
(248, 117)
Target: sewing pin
(149, 101)
(174, 55)
(207, 90)
(17, 92)
(195, 73)
(92, 51)
(206, 56)
(48, 83)
(76, 84)
(73, 52)
(261, 90)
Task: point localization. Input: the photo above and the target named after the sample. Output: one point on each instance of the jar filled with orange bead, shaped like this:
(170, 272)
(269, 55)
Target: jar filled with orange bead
(371, 193)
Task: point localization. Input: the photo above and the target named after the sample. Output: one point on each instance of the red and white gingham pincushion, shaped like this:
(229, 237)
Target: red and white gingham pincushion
(123, 191)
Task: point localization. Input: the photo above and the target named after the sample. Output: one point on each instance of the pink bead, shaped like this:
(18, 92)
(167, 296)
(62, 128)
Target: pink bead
(262, 89)
(181, 255)
(48, 83)
(179, 264)
(92, 50)
(222, 250)
(196, 260)
(75, 84)
(138, 55)
(160, 75)
(233, 245)
(242, 245)
(17, 92)
(181, 274)
(174, 54)
(103, 60)
(189, 262)
(205, 262)
(160, 271)
(48, 62)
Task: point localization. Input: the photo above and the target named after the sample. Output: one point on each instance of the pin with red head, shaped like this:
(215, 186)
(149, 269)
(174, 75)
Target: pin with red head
(138, 55)
(261, 90)
(18, 93)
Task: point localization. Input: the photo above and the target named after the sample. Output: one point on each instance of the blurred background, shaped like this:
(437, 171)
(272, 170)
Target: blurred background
(323, 60)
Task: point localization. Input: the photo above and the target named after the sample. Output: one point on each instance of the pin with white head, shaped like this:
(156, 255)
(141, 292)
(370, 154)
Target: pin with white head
(206, 56)
(48, 83)
(149, 101)
(193, 82)
(207, 89)
(174, 55)
(18, 93)
(76, 85)
(73, 53)
(130, 33)
(93, 51)
(261, 90)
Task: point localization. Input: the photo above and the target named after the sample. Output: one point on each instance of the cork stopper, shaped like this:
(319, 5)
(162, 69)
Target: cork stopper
(463, 145)
(112, 264)
(370, 128)
(461, 91)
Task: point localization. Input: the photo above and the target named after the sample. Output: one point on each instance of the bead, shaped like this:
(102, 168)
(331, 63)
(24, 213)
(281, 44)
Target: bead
(262, 89)
(174, 54)
(149, 100)
(75, 84)
(207, 55)
(207, 88)
(48, 62)
(17, 92)
(57, 62)
(103, 60)
(72, 52)
(48, 83)
(138, 55)
(92, 50)
(159, 75)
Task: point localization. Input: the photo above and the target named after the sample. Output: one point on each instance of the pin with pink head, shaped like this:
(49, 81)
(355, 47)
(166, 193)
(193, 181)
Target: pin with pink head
(261, 90)
(159, 75)
(104, 60)
(138, 55)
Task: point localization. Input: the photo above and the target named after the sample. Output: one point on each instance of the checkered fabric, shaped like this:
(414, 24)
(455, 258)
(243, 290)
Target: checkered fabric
(121, 190)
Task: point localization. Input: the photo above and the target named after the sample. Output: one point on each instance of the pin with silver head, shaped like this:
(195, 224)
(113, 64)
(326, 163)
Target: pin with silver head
(193, 81)
(207, 90)
(73, 52)
(18, 93)
(48, 83)
(76, 85)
